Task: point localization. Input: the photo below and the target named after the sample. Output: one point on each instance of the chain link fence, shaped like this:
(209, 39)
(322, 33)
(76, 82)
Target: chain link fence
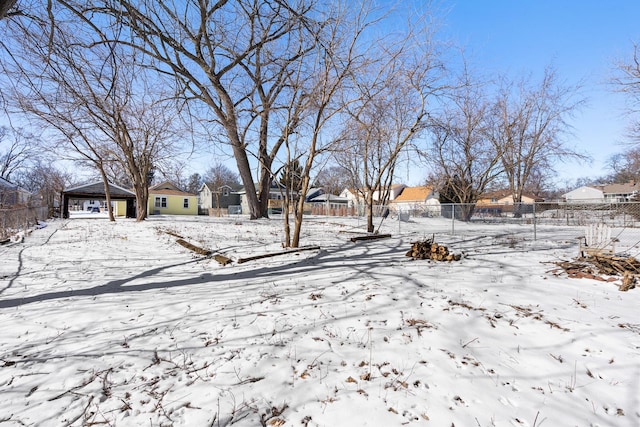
(558, 221)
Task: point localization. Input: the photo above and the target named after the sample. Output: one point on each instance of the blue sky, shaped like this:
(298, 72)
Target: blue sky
(582, 39)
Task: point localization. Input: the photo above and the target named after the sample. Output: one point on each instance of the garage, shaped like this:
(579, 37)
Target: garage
(96, 192)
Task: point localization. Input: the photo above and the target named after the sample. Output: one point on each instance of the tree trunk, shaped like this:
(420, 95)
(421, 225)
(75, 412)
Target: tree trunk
(300, 205)
(369, 203)
(107, 192)
(247, 180)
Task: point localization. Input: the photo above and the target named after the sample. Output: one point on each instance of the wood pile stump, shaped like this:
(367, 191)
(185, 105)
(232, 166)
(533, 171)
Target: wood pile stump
(428, 249)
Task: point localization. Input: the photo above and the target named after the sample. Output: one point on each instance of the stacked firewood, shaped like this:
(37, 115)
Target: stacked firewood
(428, 249)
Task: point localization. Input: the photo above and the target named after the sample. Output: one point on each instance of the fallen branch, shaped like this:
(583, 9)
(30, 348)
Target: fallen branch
(194, 248)
(290, 251)
(223, 260)
(370, 237)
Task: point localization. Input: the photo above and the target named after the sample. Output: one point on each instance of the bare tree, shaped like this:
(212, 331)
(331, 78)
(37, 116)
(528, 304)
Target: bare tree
(333, 179)
(390, 113)
(324, 91)
(235, 57)
(47, 182)
(463, 161)
(18, 149)
(625, 166)
(94, 97)
(220, 175)
(627, 81)
(530, 121)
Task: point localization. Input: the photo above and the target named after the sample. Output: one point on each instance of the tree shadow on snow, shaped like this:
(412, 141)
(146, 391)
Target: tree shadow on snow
(364, 263)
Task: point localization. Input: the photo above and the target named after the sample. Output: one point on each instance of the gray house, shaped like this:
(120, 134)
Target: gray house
(213, 200)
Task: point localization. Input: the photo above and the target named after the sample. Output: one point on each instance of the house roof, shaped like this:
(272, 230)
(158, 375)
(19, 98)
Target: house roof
(356, 191)
(414, 194)
(330, 198)
(97, 189)
(212, 187)
(616, 188)
(169, 189)
(627, 188)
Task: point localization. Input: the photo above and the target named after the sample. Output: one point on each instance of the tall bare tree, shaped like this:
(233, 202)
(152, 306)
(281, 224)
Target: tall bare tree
(219, 174)
(233, 56)
(325, 91)
(94, 97)
(463, 161)
(391, 111)
(530, 121)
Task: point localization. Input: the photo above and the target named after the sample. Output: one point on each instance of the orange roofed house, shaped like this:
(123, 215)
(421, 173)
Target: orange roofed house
(417, 201)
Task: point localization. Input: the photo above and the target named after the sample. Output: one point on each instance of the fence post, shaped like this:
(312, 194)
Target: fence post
(453, 219)
(535, 234)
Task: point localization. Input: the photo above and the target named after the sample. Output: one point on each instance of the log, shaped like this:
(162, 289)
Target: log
(289, 251)
(370, 237)
(223, 260)
(194, 248)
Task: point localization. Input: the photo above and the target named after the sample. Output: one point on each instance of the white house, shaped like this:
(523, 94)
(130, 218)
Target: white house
(585, 194)
(610, 193)
(422, 199)
(355, 196)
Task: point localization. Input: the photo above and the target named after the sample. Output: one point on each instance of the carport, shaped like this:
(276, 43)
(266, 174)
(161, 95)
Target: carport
(96, 191)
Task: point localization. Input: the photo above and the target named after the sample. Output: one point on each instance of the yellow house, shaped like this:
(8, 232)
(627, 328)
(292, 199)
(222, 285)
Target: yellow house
(167, 199)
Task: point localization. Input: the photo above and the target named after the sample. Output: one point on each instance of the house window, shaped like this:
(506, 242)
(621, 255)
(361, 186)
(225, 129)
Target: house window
(161, 202)
(225, 191)
(185, 203)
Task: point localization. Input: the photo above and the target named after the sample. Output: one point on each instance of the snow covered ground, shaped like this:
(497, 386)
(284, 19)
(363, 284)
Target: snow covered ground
(116, 324)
